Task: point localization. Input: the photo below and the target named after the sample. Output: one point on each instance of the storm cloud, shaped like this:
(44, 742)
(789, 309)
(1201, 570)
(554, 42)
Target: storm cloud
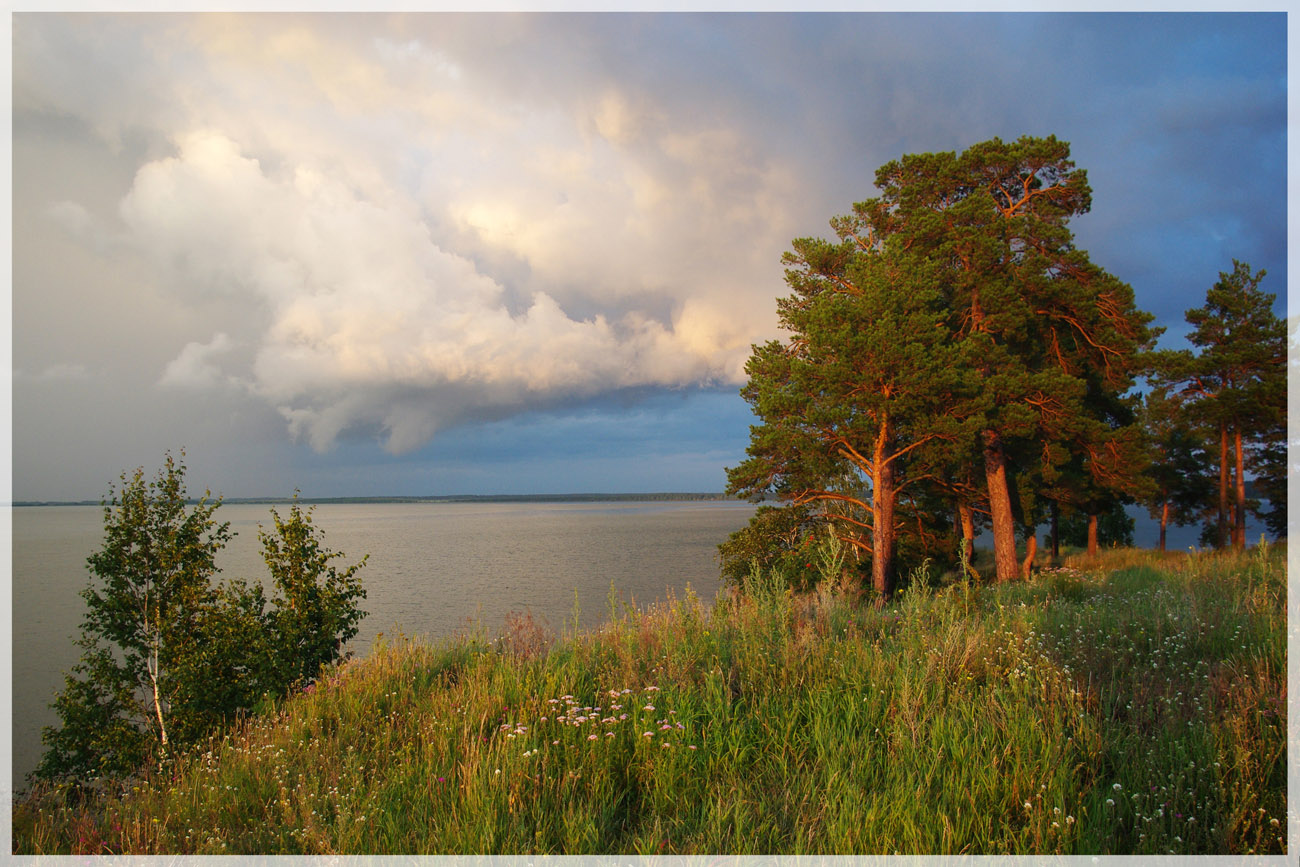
(263, 234)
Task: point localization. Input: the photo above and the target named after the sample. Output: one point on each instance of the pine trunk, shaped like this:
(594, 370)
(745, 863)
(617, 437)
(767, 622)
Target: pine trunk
(1004, 527)
(967, 518)
(1222, 536)
(882, 518)
(1031, 550)
(1239, 528)
(1164, 523)
(1092, 535)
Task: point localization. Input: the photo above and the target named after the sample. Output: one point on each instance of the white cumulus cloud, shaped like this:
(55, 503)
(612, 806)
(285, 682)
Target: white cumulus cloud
(360, 321)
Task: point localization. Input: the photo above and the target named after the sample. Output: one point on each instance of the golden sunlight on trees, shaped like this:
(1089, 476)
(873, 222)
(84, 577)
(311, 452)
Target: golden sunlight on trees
(954, 344)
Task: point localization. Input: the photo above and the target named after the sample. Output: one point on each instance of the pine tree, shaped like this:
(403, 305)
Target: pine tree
(1037, 318)
(1236, 383)
(861, 385)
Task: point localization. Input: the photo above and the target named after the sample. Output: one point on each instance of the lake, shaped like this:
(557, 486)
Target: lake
(434, 569)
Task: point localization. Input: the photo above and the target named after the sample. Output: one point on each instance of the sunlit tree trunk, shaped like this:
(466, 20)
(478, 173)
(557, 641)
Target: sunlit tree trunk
(1222, 536)
(1004, 528)
(1239, 527)
(1164, 523)
(966, 517)
(1031, 550)
(1092, 535)
(883, 497)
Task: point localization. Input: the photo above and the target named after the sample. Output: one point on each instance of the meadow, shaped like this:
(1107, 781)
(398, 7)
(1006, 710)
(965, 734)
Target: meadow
(1132, 704)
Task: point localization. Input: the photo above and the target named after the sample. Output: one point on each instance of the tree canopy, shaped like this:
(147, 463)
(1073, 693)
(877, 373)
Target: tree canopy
(168, 654)
(1234, 385)
(954, 322)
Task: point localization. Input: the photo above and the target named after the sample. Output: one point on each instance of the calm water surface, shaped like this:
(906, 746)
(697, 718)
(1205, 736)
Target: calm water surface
(434, 569)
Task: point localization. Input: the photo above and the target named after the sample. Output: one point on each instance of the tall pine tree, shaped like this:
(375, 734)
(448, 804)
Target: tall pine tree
(1235, 383)
(863, 382)
(1041, 323)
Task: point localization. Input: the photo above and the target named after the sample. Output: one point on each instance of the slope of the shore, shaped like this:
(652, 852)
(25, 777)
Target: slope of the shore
(1131, 705)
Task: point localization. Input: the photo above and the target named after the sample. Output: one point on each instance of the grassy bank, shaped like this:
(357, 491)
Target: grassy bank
(1131, 706)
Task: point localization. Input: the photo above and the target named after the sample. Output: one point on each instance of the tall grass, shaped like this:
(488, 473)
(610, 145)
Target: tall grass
(1131, 705)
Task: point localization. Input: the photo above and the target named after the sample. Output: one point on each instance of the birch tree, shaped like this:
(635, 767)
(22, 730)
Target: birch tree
(147, 603)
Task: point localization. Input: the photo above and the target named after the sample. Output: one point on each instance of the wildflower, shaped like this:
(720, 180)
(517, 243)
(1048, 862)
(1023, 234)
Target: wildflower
(648, 707)
(1110, 802)
(647, 734)
(592, 737)
(1117, 787)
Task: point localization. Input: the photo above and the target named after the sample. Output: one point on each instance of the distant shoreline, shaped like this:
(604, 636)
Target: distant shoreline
(451, 498)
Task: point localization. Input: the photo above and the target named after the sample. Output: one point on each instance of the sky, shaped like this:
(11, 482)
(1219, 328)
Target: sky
(439, 253)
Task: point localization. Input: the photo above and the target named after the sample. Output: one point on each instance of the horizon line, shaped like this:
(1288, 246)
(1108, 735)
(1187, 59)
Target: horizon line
(577, 497)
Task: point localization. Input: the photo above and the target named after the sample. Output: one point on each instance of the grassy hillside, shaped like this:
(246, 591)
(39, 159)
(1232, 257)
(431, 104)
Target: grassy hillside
(1131, 706)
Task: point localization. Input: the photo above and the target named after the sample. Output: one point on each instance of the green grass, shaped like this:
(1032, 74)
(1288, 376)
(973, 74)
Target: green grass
(1133, 705)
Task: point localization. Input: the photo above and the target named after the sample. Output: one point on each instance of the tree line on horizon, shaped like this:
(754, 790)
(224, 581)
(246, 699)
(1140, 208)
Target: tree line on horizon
(955, 361)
